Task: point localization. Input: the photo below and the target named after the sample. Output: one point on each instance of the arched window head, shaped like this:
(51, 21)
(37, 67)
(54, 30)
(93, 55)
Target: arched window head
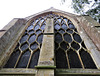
(70, 50)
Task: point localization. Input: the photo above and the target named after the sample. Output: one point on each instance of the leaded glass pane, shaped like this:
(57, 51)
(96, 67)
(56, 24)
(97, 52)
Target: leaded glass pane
(68, 39)
(27, 51)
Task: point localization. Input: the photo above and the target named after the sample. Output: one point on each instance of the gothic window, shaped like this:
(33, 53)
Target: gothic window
(70, 50)
(26, 53)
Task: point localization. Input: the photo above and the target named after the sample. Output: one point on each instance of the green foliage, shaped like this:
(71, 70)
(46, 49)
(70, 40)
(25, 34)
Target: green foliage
(94, 13)
(93, 6)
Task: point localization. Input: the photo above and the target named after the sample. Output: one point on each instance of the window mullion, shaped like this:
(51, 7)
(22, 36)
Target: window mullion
(47, 49)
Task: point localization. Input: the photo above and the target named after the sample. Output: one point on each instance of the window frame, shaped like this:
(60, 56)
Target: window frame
(78, 72)
(83, 35)
(18, 71)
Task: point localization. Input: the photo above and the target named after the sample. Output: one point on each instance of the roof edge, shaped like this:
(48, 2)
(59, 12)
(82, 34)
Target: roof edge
(51, 9)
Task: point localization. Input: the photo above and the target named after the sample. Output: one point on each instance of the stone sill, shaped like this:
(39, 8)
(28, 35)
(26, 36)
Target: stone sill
(17, 71)
(79, 72)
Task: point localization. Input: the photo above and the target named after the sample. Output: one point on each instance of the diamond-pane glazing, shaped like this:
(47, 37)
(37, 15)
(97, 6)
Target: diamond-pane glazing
(27, 51)
(70, 50)
(68, 44)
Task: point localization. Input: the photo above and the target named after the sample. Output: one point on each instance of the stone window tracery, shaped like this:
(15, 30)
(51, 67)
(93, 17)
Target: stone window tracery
(70, 50)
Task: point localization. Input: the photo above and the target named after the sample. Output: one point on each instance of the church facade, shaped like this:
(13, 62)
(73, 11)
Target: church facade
(50, 43)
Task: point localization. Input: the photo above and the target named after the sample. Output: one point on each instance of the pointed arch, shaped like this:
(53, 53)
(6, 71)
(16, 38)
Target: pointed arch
(34, 26)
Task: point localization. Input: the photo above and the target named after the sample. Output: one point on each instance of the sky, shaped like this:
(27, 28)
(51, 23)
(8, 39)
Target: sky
(10, 9)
